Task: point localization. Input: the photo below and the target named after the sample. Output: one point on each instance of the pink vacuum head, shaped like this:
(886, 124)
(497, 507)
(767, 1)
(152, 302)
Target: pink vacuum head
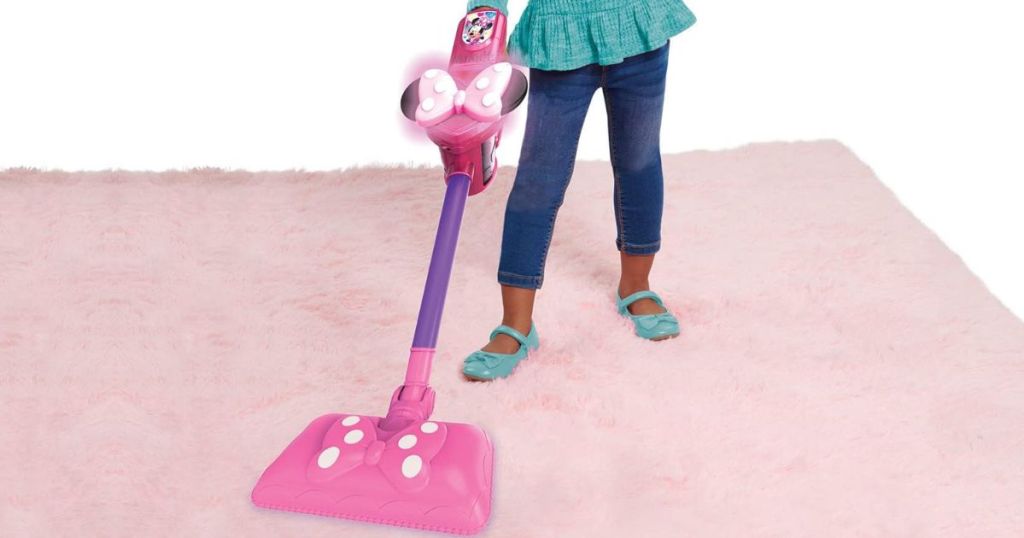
(405, 469)
(426, 475)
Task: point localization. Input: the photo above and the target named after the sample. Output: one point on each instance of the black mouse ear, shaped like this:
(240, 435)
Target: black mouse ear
(411, 100)
(515, 93)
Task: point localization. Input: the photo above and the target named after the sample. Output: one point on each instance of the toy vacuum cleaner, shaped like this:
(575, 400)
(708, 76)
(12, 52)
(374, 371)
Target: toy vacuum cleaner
(405, 469)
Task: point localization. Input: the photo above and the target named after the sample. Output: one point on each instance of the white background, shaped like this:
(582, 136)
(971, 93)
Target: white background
(927, 92)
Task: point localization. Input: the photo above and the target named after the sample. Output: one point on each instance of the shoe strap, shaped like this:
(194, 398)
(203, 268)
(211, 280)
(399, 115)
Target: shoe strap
(506, 330)
(646, 294)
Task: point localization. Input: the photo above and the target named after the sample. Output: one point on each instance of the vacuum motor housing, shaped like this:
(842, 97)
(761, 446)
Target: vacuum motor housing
(467, 145)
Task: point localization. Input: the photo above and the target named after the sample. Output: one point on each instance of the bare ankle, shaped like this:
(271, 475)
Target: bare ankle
(519, 324)
(629, 287)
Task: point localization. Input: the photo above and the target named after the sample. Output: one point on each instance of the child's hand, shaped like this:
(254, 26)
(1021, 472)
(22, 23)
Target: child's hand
(491, 5)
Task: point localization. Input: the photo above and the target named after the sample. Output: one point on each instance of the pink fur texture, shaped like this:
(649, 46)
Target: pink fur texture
(163, 336)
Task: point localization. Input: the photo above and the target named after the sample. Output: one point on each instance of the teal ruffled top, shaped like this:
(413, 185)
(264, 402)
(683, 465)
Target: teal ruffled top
(560, 35)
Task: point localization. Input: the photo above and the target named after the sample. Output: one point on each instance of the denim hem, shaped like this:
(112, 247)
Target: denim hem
(520, 281)
(638, 250)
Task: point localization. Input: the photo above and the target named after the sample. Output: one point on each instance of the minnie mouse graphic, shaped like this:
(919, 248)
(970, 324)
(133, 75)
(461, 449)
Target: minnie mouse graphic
(479, 27)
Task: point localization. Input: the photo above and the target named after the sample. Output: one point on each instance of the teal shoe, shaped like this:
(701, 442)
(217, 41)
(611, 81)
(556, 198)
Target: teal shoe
(649, 326)
(485, 366)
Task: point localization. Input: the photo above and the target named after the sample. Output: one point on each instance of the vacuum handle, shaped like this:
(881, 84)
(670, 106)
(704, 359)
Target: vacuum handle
(439, 274)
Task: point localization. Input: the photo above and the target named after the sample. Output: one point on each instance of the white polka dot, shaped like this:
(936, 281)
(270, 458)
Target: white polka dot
(502, 67)
(428, 427)
(328, 457)
(407, 442)
(444, 85)
(460, 98)
(431, 73)
(428, 104)
(490, 99)
(350, 421)
(412, 466)
(482, 83)
(353, 437)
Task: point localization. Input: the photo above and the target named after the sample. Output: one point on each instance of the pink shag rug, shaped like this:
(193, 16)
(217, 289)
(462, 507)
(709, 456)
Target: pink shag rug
(841, 373)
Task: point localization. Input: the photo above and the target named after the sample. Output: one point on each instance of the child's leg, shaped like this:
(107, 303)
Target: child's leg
(558, 104)
(634, 92)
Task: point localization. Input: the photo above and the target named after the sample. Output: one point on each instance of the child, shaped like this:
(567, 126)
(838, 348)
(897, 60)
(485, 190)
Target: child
(574, 47)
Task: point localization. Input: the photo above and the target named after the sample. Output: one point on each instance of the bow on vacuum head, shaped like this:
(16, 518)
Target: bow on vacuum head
(405, 469)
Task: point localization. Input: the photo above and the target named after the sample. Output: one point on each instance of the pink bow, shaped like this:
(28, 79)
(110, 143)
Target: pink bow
(404, 459)
(440, 98)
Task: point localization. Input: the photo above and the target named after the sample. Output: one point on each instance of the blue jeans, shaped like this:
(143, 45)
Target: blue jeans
(634, 92)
